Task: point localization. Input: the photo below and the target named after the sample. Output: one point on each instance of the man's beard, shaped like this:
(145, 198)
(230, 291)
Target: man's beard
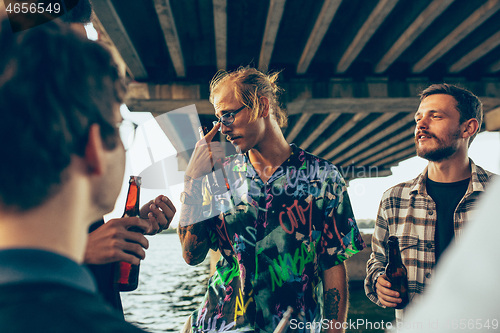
(444, 150)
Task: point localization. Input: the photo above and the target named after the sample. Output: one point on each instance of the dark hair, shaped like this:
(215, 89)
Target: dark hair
(249, 85)
(54, 84)
(468, 105)
(81, 13)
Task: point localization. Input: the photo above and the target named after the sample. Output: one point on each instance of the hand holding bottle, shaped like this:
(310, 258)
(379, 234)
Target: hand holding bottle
(386, 295)
(113, 242)
(392, 287)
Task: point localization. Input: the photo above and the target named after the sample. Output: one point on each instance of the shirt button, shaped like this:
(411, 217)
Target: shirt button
(431, 212)
(428, 275)
(429, 245)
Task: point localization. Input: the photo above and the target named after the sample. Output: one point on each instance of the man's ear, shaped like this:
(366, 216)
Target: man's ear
(79, 28)
(94, 151)
(264, 106)
(471, 127)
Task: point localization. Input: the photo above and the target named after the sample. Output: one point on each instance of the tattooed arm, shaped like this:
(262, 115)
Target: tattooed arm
(335, 296)
(193, 232)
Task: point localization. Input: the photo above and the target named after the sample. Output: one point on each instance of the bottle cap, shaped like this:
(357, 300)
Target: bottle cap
(394, 239)
(137, 179)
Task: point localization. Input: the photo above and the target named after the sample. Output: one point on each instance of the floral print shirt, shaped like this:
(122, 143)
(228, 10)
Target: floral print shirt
(276, 239)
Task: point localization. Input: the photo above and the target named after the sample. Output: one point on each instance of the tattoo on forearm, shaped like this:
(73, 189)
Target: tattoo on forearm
(189, 215)
(193, 233)
(193, 229)
(332, 301)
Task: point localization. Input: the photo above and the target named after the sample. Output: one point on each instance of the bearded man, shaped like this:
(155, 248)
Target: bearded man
(427, 213)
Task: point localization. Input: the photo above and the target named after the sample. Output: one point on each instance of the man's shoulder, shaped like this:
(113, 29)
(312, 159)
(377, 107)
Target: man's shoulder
(319, 168)
(484, 176)
(57, 307)
(300, 159)
(480, 179)
(401, 190)
(306, 157)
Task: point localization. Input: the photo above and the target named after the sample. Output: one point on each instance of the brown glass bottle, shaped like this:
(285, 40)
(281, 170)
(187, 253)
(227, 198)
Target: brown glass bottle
(217, 181)
(396, 272)
(126, 274)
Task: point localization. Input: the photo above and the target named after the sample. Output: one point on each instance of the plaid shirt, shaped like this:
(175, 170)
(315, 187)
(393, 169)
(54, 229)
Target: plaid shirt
(407, 211)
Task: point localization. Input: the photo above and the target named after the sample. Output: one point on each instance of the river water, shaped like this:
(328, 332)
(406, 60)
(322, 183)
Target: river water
(169, 289)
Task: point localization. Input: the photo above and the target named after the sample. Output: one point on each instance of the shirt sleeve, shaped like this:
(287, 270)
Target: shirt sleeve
(378, 258)
(341, 238)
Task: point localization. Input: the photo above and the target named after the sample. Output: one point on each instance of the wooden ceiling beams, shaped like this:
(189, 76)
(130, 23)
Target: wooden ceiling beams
(458, 34)
(168, 26)
(113, 25)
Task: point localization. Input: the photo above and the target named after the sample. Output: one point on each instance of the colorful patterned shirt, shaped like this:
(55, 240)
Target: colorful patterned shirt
(276, 239)
(407, 211)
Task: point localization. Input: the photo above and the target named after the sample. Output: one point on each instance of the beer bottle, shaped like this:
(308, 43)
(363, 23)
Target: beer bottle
(126, 274)
(396, 272)
(217, 180)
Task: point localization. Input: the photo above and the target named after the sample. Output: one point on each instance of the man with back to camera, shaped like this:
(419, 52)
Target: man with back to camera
(64, 166)
(428, 212)
(286, 230)
(112, 242)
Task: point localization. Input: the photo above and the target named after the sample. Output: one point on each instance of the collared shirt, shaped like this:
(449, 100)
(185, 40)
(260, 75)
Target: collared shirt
(276, 239)
(408, 212)
(34, 266)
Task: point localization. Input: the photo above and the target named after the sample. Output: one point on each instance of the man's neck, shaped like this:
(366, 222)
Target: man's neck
(58, 225)
(453, 169)
(267, 156)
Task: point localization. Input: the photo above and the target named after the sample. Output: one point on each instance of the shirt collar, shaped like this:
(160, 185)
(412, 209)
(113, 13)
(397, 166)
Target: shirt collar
(475, 185)
(33, 266)
(296, 156)
(295, 159)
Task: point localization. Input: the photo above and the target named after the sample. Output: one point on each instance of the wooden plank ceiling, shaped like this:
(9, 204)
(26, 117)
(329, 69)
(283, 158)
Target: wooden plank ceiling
(352, 69)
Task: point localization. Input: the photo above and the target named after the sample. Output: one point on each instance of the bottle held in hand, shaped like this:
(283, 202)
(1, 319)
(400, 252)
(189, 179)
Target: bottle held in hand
(217, 180)
(396, 272)
(126, 274)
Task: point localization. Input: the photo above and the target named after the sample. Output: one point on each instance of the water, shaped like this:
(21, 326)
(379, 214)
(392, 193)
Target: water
(169, 290)
(368, 231)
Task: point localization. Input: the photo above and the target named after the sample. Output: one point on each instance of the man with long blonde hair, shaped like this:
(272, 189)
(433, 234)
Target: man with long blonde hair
(284, 228)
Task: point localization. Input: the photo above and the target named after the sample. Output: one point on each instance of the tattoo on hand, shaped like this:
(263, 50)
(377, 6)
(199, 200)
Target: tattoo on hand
(332, 301)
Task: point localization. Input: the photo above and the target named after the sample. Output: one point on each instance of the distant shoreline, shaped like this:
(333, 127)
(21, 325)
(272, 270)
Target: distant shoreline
(169, 231)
